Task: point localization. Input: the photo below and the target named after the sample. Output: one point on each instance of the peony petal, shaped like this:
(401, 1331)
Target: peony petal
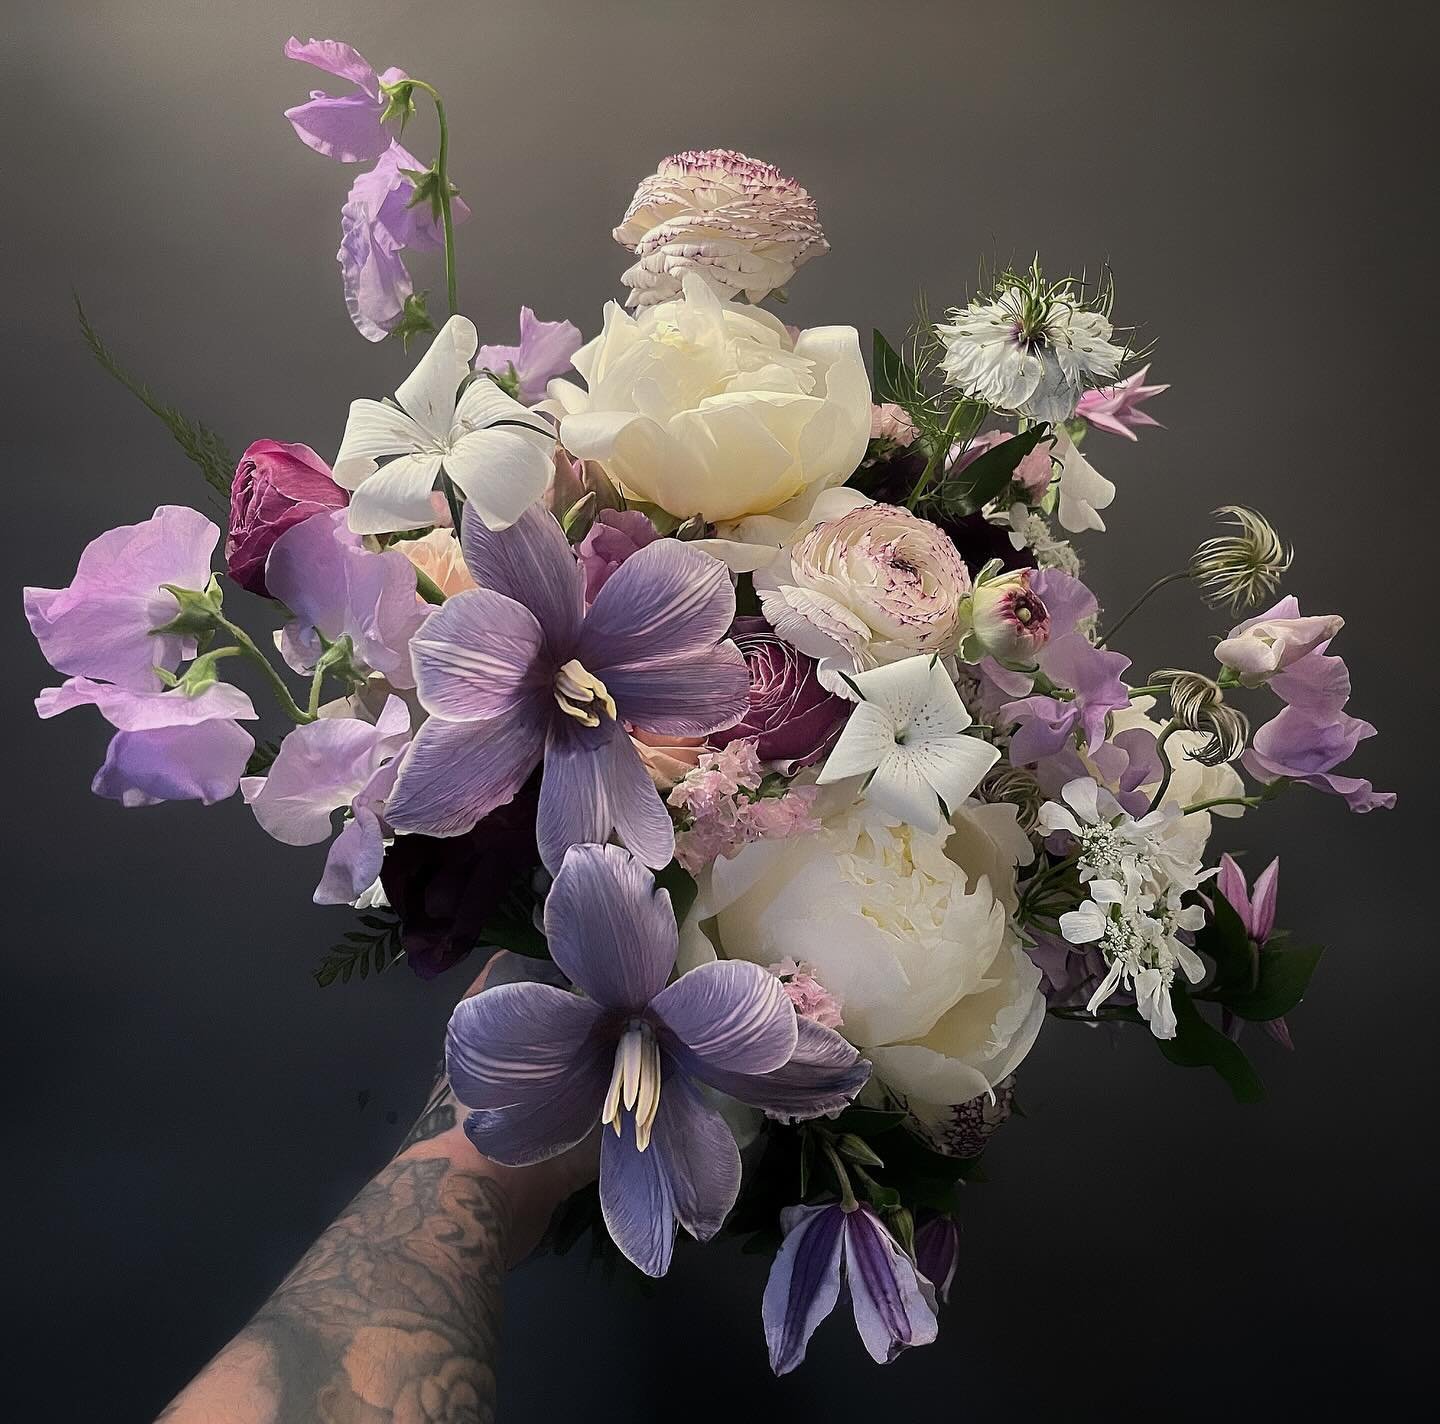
(730, 1015)
(531, 562)
(610, 928)
(665, 601)
(803, 1285)
(455, 773)
(519, 1044)
(478, 657)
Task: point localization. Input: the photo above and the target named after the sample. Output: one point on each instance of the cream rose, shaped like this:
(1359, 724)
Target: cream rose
(932, 982)
(707, 408)
(872, 586)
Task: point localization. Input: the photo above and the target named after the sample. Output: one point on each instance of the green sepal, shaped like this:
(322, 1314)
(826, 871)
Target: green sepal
(414, 320)
(856, 1149)
(578, 520)
(399, 102)
(199, 609)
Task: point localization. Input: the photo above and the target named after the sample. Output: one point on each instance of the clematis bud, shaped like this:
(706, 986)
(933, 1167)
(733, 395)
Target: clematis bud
(1008, 620)
(738, 223)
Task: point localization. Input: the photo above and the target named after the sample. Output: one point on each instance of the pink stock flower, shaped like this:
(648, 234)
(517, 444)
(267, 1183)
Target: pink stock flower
(1116, 408)
(889, 422)
(811, 998)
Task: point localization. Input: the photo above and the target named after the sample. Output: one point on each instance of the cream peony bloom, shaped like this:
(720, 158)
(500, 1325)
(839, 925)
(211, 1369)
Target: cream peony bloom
(933, 984)
(705, 408)
(739, 224)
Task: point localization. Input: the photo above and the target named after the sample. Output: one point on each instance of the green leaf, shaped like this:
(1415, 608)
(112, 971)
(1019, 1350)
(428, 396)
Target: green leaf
(377, 947)
(1224, 940)
(1284, 974)
(891, 377)
(1199, 1044)
(513, 927)
(681, 886)
(868, 1122)
(989, 474)
(201, 445)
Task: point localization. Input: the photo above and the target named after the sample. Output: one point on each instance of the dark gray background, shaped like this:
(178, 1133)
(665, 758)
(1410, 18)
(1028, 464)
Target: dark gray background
(181, 1104)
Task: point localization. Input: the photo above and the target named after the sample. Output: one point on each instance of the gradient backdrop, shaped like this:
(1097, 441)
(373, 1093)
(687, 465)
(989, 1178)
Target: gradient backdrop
(184, 1110)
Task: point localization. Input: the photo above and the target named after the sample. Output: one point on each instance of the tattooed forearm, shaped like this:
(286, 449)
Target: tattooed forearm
(438, 1115)
(393, 1315)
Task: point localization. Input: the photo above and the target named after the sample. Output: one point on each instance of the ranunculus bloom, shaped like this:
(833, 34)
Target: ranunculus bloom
(739, 224)
(792, 717)
(1272, 641)
(936, 988)
(710, 409)
(276, 487)
(873, 586)
(437, 555)
(615, 535)
(1008, 619)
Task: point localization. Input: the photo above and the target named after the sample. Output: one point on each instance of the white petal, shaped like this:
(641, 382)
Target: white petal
(373, 431)
(397, 497)
(484, 403)
(953, 766)
(899, 788)
(502, 471)
(900, 689)
(868, 738)
(1083, 795)
(1084, 925)
(428, 392)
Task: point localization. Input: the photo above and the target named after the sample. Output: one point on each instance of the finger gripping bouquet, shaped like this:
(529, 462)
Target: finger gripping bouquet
(756, 705)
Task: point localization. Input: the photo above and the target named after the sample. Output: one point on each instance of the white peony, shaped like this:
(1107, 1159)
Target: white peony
(707, 408)
(932, 982)
(739, 224)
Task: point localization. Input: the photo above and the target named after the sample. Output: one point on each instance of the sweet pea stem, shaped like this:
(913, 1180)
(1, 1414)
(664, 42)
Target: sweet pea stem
(1141, 602)
(1167, 767)
(442, 178)
(246, 645)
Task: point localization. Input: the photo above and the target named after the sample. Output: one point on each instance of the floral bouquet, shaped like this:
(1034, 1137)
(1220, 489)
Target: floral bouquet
(757, 706)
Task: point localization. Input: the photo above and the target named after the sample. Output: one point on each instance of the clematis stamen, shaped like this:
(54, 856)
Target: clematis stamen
(577, 691)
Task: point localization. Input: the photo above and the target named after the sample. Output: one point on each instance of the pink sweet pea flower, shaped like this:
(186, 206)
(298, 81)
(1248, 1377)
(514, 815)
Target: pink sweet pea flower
(347, 128)
(544, 352)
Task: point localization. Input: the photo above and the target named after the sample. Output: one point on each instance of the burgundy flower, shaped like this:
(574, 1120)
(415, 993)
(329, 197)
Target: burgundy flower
(792, 718)
(276, 487)
(615, 535)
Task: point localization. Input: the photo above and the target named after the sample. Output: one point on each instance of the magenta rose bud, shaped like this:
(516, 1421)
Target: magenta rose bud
(276, 487)
(615, 535)
(793, 719)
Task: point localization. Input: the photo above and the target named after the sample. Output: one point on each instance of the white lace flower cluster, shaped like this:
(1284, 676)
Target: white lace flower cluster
(1137, 873)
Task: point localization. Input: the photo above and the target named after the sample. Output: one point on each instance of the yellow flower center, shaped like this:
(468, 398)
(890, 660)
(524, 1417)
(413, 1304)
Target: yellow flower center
(578, 693)
(634, 1083)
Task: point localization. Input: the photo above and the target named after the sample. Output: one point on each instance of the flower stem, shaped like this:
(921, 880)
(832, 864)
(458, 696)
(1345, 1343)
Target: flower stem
(847, 1192)
(937, 456)
(1140, 603)
(1167, 767)
(442, 178)
(1271, 791)
(246, 645)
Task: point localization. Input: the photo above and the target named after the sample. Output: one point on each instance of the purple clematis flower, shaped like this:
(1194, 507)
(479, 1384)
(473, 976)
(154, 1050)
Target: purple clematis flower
(517, 669)
(347, 128)
(937, 1250)
(541, 1067)
(1256, 909)
(1069, 660)
(320, 768)
(377, 224)
(168, 746)
(544, 351)
(894, 1304)
(1116, 408)
(337, 588)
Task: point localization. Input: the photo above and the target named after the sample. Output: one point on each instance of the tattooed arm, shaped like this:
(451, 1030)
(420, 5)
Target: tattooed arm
(394, 1313)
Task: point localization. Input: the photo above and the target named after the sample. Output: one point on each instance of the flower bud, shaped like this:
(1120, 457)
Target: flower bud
(1008, 620)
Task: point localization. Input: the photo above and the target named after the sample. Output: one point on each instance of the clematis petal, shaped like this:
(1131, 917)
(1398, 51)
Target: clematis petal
(610, 928)
(731, 1015)
(1230, 882)
(823, 1075)
(701, 1160)
(520, 1044)
(1267, 884)
(574, 806)
(476, 657)
(899, 788)
(867, 740)
(636, 1200)
(455, 773)
(501, 472)
(954, 766)
(683, 696)
(804, 1283)
(638, 813)
(484, 403)
(891, 1310)
(532, 563)
(429, 393)
(665, 601)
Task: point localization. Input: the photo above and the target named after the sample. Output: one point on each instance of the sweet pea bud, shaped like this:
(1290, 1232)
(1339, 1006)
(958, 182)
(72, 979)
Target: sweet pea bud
(857, 1150)
(579, 518)
(399, 101)
(1008, 620)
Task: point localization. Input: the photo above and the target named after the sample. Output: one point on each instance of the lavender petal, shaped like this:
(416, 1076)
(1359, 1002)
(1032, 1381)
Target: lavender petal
(731, 1015)
(803, 1285)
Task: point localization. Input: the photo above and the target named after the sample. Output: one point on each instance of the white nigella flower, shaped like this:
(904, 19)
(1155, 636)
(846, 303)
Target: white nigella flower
(1033, 350)
(495, 451)
(1136, 873)
(908, 731)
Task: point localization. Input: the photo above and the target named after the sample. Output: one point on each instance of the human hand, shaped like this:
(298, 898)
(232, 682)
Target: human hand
(533, 1193)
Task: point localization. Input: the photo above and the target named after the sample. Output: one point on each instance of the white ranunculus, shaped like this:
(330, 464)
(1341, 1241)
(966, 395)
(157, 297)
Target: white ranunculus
(933, 984)
(709, 408)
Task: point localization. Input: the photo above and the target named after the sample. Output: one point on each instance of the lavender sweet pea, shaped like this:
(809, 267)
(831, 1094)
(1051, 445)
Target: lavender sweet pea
(544, 352)
(793, 719)
(346, 128)
(541, 1067)
(276, 487)
(320, 768)
(517, 670)
(894, 1304)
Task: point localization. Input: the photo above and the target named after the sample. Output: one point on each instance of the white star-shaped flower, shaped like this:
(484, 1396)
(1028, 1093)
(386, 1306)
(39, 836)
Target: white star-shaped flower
(909, 731)
(496, 452)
